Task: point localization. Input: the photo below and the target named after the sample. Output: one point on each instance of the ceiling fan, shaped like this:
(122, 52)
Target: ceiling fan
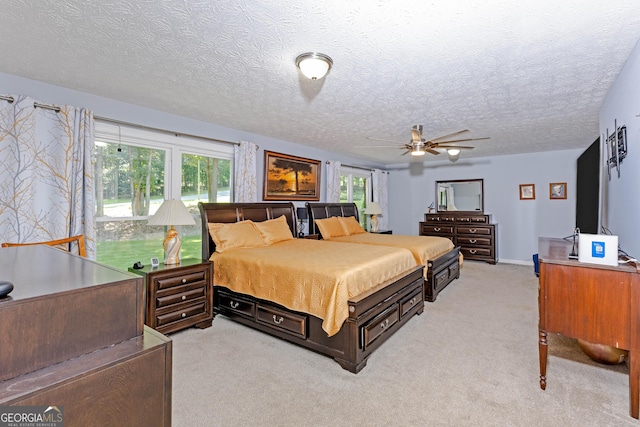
(418, 146)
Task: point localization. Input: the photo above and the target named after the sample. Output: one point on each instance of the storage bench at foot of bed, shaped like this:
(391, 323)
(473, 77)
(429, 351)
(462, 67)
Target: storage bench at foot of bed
(373, 317)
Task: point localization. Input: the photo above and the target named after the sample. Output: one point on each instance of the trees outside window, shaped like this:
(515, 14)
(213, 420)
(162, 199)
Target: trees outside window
(136, 170)
(355, 187)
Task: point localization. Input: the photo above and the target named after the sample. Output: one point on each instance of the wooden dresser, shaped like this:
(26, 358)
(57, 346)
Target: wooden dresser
(473, 232)
(73, 337)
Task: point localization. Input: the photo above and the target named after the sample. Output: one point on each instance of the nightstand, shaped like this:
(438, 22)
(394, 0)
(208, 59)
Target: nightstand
(178, 296)
(311, 236)
(382, 232)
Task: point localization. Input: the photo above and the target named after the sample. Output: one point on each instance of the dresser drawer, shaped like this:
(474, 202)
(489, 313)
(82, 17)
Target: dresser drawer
(486, 231)
(379, 325)
(437, 229)
(475, 252)
(235, 305)
(290, 323)
(411, 302)
(183, 313)
(181, 279)
(477, 241)
(187, 294)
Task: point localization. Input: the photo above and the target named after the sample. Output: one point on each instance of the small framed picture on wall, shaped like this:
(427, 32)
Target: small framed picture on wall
(527, 191)
(558, 190)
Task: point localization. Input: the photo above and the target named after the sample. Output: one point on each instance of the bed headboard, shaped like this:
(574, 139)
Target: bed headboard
(235, 212)
(327, 210)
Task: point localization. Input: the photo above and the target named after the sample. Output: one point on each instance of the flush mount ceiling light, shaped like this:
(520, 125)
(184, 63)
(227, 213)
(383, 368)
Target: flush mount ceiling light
(314, 65)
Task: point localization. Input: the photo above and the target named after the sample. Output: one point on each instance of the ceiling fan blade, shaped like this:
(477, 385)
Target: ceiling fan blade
(432, 151)
(405, 153)
(461, 140)
(381, 139)
(455, 147)
(448, 135)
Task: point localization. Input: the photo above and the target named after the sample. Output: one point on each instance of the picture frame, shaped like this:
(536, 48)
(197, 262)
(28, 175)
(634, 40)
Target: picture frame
(289, 177)
(558, 190)
(527, 191)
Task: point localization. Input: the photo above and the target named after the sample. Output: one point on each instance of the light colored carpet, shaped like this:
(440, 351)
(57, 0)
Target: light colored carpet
(471, 359)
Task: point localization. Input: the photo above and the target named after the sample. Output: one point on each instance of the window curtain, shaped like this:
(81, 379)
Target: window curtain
(46, 173)
(379, 187)
(244, 166)
(333, 181)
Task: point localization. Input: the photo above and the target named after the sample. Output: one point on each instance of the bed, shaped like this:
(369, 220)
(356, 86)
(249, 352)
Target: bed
(439, 256)
(273, 304)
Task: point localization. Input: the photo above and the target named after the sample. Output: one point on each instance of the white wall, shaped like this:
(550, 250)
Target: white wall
(520, 222)
(622, 204)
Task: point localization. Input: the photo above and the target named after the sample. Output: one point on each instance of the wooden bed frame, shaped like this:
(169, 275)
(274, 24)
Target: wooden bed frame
(373, 316)
(440, 271)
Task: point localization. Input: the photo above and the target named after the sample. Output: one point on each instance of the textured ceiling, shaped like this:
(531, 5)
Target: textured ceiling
(531, 75)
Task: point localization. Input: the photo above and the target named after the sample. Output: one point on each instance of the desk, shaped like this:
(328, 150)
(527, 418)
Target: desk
(596, 303)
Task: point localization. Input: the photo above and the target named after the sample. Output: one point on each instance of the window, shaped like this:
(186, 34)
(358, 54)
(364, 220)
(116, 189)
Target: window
(136, 170)
(355, 187)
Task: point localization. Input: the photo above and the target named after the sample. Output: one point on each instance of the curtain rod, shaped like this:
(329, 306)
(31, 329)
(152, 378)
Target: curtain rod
(359, 167)
(119, 122)
(10, 99)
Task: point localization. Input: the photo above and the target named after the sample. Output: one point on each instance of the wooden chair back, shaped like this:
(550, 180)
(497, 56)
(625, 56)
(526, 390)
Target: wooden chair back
(67, 241)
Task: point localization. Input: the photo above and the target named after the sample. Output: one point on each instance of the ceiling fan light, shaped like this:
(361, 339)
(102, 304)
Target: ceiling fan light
(417, 152)
(314, 65)
(454, 154)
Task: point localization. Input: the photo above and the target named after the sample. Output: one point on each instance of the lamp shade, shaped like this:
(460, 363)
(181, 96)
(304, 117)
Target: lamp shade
(454, 154)
(172, 212)
(373, 209)
(314, 65)
(301, 213)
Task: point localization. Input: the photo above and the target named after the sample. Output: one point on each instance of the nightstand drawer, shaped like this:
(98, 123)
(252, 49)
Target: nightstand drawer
(287, 322)
(180, 297)
(180, 279)
(182, 314)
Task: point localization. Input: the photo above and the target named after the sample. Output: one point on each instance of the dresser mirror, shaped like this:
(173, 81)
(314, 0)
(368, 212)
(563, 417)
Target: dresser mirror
(460, 195)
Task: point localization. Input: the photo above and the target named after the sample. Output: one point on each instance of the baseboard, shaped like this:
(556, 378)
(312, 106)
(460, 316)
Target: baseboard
(516, 261)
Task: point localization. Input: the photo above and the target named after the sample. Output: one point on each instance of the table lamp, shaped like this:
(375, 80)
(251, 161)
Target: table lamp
(373, 209)
(172, 213)
(301, 213)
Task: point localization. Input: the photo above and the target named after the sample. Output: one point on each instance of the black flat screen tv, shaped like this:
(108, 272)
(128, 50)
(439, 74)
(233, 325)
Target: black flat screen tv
(588, 190)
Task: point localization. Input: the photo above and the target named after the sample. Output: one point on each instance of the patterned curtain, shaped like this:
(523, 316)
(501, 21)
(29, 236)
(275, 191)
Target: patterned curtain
(244, 166)
(379, 186)
(333, 181)
(46, 173)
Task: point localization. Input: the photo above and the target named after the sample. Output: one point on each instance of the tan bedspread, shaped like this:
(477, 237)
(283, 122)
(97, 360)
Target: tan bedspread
(423, 248)
(311, 276)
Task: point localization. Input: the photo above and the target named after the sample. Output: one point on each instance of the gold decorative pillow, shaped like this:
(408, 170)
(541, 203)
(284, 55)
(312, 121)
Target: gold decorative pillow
(330, 227)
(274, 230)
(350, 225)
(243, 234)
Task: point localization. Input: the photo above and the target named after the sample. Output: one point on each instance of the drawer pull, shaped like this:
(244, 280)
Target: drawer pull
(184, 315)
(436, 228)
(234, 304)
(472, 241)
(412, 301)
(472, 230)
(184, 297)
(473, 251)
(184, 281)
(277, 320)
(385, 324)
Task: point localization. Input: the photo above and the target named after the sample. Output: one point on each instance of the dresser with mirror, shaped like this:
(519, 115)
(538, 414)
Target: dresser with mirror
(459, 215)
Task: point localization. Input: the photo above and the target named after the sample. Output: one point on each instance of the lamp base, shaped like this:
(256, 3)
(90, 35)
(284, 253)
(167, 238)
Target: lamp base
(374, 224)
(172, 244)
